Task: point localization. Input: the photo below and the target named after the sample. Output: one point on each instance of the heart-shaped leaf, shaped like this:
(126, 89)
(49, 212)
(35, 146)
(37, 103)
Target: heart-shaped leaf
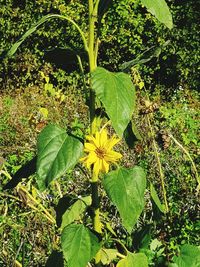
(131, 134)
(108, 255)
(79, 245)
(136, 260)
(160, 10)
(117, 93)
(125, 188)
(57, 153)
(75, 211)
(189, 257)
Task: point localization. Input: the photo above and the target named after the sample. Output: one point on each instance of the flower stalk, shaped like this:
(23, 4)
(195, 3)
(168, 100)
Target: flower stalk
(100, 155)
(91, 55)
(92, 65)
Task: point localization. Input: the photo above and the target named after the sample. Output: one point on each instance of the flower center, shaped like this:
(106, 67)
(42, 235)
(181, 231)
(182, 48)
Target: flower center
(100, 151)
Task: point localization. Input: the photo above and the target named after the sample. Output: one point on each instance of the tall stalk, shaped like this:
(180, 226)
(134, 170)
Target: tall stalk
(92, 65)
(92, 62)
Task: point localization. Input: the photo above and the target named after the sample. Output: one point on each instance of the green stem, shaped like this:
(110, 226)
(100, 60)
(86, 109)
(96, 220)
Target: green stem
(95, 206)
(189, 157)
(40, 22)
(93, 8)
(83, 78)
(96, 215)
(92, 20)
(159, 164)
(74, 23)
(96, 49)
(96, 45)
(91, 53)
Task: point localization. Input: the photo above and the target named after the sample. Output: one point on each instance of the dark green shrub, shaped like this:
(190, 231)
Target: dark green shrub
(127, 31)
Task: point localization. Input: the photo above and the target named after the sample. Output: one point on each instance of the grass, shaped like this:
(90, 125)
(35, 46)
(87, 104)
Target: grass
(28, 236)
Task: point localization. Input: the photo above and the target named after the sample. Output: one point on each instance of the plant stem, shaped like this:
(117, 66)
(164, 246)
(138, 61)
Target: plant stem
(46, 213)
(96, 216)
(93, 8)
(189, 157)
(159, 164)
(95, 206)
(38, 204)
(91, 54)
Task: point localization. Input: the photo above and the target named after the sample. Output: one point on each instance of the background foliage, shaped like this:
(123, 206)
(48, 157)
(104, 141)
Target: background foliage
(127, 30)
(171, 78)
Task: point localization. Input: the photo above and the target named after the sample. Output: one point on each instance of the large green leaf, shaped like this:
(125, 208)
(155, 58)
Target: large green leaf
(160, 10)
(125, 188)
(117, 93)
(108, 255)
(75, 211)
(144, 57)
(131, 134)
(134, 260)
(189, 256)
(38, 24)
(156, 199)
(57, 152)
(79, 245)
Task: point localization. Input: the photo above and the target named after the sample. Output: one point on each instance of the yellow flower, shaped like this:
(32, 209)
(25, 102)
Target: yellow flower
(100, 153)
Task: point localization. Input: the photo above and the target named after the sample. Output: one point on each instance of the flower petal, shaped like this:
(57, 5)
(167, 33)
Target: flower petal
(105, 166)
(99, 152)
(83, 159)
(112, 156)
(97, 139)
(92, 140)
(112, 142)
(103, 138)
(89, 147)
(96, 167)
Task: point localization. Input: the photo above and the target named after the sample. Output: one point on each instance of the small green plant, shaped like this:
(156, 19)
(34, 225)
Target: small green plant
(82, 240)
(50, 90)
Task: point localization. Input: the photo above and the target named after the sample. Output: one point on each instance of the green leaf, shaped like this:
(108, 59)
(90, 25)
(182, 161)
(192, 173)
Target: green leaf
(48, 17)
(160, 10)
(134, 260)
(142, 238)
(108, 255)
(131, 134)
(125, 188)
(146, 56)
(155, 244)
(156, 199)
(57, 153)
(117, 93)
(173, 265)
(189, 256)
(79, 245)
(75, 211)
